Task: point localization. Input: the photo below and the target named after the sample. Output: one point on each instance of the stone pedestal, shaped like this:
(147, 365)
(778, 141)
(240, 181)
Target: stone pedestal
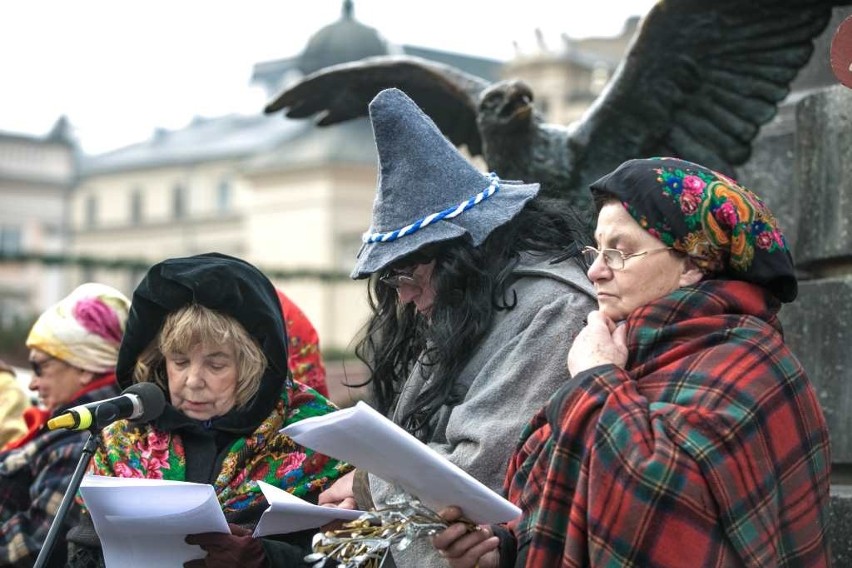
(823, 179)
(818, 329)
(841, 525)
(802, 168)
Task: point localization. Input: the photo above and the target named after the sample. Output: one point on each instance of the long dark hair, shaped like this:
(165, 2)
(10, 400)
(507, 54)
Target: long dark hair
(471, 285)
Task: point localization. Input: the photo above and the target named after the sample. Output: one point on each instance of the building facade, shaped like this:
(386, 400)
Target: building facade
(568, 77)
(283, 194)
(291, 198)
(36, 177)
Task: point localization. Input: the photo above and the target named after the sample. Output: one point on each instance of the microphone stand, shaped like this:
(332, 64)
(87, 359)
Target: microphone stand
(82, 465)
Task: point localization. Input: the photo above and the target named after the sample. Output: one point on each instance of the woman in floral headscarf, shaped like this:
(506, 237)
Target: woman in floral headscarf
(73, 350)
(691, 435)
(209, 331)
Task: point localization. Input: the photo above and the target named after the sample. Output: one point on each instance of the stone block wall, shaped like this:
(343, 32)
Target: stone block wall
(840, 518)
(802, 167)
(823, 178)
(819, 324)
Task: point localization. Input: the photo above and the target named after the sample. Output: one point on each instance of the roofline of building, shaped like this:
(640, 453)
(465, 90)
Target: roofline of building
(44, 139)
(36, 181)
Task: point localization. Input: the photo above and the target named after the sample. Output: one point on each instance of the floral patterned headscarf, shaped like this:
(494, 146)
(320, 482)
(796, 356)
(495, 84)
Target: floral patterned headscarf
(84, 329)
(726, 230)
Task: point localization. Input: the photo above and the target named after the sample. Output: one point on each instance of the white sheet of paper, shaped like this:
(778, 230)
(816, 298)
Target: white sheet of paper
(143, 522)
(363, 437)
(288, 513)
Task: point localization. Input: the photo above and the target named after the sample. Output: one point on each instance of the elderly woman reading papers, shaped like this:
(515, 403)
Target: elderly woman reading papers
(208, 330)
(693, 436)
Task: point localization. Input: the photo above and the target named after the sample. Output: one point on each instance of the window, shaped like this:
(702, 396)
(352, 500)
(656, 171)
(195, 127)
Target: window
(136, 207)
(10, 240)
(179, 201)
(347, 249)
(224, 196)
(91, 212)
(598, 79)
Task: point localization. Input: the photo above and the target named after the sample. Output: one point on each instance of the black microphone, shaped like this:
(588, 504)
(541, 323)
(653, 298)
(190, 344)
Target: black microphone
(141, 402)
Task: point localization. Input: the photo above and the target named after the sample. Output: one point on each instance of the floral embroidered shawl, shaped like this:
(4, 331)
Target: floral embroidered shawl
(129, 450)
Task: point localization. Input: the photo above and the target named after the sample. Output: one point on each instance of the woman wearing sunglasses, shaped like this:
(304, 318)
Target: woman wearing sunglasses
(692, 436)
(73, 351)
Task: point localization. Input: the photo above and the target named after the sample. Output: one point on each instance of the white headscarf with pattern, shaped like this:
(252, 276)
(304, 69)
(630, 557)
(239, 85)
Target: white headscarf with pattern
(84, 329)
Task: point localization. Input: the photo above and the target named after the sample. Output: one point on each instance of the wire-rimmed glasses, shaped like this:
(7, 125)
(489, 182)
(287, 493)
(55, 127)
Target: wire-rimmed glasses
(614, 258)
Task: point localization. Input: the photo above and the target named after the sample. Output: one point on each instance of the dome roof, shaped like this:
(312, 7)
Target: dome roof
(345, 40)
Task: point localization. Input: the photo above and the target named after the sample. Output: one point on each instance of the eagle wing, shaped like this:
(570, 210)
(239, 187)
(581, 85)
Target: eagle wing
(342, 92)
(698, 81)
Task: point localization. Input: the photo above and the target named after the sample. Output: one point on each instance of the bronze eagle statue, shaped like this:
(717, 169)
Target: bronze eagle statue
(698, 80)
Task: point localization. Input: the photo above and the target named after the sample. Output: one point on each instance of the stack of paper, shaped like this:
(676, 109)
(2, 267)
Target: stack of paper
(363, 437)
(288, 513)
(143, 522)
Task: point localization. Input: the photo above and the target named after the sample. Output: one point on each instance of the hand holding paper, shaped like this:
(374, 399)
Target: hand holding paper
(287, 513)
(363, 437)
(143, 522)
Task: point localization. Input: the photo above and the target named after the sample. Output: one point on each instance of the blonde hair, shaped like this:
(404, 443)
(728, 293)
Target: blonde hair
(194, 325)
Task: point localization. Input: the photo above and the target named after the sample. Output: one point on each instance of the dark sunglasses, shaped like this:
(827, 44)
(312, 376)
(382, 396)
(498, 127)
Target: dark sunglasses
(397, 277)
(402, 271)
(38, 366)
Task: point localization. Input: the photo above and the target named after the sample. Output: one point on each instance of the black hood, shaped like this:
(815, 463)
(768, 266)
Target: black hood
(222, 283)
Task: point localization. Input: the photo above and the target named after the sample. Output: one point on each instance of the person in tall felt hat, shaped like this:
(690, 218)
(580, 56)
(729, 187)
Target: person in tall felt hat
(471, 315)
(693, 436)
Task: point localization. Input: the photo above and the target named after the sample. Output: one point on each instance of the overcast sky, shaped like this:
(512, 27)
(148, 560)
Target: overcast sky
(119, 69)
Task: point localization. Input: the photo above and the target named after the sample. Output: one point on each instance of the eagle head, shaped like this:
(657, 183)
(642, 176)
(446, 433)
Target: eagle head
(505, 107)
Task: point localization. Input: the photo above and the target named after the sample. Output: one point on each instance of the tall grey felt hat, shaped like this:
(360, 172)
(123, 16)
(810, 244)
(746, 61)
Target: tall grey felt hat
(427, 191)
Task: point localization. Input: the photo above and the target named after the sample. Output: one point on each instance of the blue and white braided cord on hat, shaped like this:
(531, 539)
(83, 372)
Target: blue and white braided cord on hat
(447, 213)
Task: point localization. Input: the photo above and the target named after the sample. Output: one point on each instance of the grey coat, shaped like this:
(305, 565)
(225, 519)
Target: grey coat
(513, 372)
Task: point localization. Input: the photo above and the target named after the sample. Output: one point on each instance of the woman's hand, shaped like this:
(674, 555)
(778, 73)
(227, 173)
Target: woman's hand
(226, 550)
(340, 494)
(601, 342)
(463, 548)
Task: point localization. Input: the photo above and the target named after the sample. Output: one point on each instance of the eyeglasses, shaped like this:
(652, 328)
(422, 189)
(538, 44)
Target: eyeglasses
(38, 366)
(614, 258)
(396, 277)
